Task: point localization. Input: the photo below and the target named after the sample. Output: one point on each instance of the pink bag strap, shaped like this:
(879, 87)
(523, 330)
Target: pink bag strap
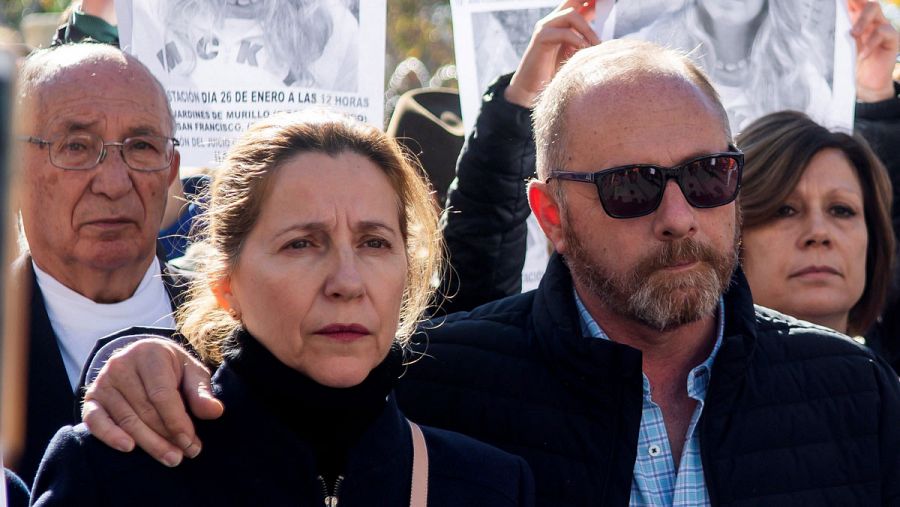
(418, 496)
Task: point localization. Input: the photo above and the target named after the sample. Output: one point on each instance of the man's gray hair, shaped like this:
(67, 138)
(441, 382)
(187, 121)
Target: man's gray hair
(621, 61)
(43, 66)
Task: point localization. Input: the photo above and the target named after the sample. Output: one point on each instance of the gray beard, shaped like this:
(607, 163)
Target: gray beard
(645, 294)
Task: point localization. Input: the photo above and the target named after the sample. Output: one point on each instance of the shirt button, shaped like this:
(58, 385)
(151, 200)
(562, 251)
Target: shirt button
(654, 450)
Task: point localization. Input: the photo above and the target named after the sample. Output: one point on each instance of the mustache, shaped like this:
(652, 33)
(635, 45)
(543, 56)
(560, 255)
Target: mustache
(672, 253)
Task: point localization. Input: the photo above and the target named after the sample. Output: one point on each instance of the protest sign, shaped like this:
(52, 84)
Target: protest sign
(762, 56)
(490, 38)
(227, 65)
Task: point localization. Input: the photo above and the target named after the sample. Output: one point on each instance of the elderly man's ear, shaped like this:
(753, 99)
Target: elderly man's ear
(546, 209)
(176, 165)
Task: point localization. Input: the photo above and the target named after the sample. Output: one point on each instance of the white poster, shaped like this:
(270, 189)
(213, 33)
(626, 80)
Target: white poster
(762, 56)
(227, 64)
(490, 38)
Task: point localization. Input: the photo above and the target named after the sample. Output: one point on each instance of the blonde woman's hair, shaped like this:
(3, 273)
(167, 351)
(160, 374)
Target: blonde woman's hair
(241, 186)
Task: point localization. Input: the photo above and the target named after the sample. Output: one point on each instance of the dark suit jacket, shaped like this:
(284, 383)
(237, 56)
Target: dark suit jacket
(51, 401)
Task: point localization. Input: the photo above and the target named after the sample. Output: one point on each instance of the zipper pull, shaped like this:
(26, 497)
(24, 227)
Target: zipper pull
(331, 495)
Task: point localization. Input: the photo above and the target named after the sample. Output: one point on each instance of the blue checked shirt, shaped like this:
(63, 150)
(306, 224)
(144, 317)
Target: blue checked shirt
(656, 480)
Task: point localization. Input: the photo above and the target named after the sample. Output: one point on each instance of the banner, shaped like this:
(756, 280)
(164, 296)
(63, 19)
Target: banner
(225, 65)
(762, 56)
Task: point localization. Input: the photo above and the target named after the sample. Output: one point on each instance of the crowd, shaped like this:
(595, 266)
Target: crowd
(717, 323)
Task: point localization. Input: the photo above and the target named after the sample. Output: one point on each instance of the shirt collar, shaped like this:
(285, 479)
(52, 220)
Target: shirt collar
(698, 377)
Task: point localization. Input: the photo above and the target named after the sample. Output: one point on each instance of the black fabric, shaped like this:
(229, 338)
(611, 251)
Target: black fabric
(51, 401)
(879, 124)
(16, 491)
(795, 413)
(485, 226)
(253, 455)
(291, 397)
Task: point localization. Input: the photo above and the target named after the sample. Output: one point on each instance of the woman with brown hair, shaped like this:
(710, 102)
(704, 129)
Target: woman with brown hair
(817, 242)
(322, 243)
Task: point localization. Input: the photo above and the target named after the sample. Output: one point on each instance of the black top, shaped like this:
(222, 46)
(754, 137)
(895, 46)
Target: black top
(280, 432)
(291, 397)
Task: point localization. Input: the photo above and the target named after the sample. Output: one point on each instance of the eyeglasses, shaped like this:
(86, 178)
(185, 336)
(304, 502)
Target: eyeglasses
(82, 151)
(636, 190)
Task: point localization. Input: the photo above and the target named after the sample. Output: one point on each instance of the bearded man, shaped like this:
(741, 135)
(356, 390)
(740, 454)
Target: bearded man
(639, 372)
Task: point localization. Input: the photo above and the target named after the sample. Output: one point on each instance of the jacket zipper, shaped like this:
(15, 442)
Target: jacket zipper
(331, 494)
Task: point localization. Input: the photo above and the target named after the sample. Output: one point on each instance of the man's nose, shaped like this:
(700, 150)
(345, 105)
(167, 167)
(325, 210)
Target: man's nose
(112, 176)
(675, 218)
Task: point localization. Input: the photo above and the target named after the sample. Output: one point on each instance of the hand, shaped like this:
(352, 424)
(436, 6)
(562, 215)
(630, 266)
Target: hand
(103, 9)
(877, 43)
(556, 38)
(137, 398)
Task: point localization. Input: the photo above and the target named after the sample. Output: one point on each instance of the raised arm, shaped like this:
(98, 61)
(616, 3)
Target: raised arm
(485, 227)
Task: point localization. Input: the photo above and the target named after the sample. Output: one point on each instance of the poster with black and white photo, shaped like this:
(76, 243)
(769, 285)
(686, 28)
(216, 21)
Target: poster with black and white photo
(490, 38)
(761, 55)
(228, 63)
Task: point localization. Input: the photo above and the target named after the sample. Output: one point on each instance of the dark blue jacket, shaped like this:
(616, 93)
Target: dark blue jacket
(250, 458)
(795, 414)
(16, 491)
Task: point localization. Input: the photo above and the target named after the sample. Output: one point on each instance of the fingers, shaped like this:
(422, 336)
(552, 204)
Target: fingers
(138, 393)
(196, 389)
(162, 409)
(855, 6)
(884, 37)
(873, 31)
(571, 20)
(104, 428)
(563, 36)
(122, 415)
(869, 16)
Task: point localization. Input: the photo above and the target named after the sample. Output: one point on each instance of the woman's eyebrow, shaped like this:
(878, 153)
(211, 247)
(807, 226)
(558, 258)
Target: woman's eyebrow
(302, 227)
(373, 225)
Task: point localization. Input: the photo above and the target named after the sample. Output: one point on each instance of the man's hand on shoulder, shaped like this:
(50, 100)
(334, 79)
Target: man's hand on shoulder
(139, 398)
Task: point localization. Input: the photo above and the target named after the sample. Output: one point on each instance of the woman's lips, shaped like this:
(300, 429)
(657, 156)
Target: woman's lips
(815, 271)
(344, 332)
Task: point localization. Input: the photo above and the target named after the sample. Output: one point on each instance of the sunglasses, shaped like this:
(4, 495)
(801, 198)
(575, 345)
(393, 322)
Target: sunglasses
(635, 190)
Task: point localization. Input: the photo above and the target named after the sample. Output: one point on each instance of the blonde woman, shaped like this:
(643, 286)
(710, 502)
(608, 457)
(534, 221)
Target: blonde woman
(322, 243)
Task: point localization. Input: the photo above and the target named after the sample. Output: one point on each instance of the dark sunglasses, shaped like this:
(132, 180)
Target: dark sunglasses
(635, 190)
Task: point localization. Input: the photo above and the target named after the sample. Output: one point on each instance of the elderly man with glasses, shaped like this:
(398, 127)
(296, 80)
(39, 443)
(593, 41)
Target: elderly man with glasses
(639, 372)
(97, 155)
